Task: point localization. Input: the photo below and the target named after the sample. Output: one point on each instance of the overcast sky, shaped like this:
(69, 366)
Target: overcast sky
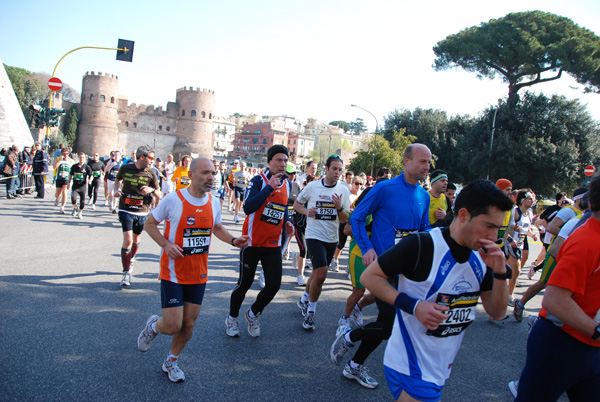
(271, 57)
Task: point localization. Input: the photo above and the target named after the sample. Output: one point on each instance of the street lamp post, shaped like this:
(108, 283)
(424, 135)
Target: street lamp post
(375, 142)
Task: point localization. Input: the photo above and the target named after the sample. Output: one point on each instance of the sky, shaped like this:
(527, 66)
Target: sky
(312, 58)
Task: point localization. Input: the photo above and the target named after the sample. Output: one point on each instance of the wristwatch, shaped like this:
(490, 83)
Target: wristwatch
(596, 333)
(506, 275)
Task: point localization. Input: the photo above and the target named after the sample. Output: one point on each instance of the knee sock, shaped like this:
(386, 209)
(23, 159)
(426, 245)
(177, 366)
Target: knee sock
(126, 259)
(134, 249)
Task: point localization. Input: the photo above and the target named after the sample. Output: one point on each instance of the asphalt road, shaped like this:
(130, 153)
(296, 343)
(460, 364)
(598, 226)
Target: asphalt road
(68, 330)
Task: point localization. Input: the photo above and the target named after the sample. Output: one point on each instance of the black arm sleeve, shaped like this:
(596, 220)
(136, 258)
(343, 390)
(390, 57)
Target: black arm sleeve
(411, 257)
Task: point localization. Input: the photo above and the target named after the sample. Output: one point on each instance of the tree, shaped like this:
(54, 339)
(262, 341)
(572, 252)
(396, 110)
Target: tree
(525, 48)
(28, 88)
(542, 143)
(341, 124)
(71, 126)
(358, 127)
(388, 154)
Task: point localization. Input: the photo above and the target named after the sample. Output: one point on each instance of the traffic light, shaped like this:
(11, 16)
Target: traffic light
(53, 116)
(125, 55)
(39, 115)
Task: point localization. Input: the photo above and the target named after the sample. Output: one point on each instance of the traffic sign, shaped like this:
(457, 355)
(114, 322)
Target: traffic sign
(589, 170)
(55, 84)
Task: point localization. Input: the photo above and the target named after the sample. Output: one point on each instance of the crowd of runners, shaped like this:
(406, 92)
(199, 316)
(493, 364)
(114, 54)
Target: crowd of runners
(422, 251)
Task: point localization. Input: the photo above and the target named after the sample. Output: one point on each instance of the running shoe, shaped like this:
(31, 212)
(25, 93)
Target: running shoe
(147, 335)
(340, 346)
(511, 301)
(334, 266)
(361, 375)
(74, 212)
(62, 210)
(236, 219)
(309, 321)
(531, 272)
(79, 215)
(303, 306)
(261, 279)
(56, 202)
(513, 386)
(93, 207)
(126, 280)
(295, 260)
(519, 284)
(232, 327)
(356, 319)
(106, 203)
(518, 310)
(172, 369)
(286, 255)
(301, 281)
(344, 322)
(114, 211)
(501, 321)
(531, 320)
(253, 327)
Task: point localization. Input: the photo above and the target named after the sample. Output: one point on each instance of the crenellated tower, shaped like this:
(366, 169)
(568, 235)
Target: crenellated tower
(98, 130)
(194, 127)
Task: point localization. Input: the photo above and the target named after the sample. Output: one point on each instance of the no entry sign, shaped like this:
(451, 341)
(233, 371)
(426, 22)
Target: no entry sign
(589, 170)
(55, 84)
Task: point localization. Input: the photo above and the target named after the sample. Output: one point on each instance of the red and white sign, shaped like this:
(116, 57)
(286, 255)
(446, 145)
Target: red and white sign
(55, 84)
(589, 170)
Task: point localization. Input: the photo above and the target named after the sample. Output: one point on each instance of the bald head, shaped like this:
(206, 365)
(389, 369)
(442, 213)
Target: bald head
(417, 161)
(196, 161)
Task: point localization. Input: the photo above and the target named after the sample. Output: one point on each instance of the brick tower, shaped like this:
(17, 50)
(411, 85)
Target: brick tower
(194, 128)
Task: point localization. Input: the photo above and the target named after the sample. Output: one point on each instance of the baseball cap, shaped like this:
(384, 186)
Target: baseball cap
(291, 169)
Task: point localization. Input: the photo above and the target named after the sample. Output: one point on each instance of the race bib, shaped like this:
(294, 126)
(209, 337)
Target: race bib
(96, 174)
(113, 174)
(63, 175)
(78, 176)
(460, 315)
(291, 211)
(400, 234)
(273, 213)
(185, 181)
(134, 200)
(196, 240)
(326, 211)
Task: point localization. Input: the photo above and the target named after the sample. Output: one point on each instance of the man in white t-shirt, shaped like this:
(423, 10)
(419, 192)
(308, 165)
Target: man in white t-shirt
(168, 185)
(311, 168)
(328, 204)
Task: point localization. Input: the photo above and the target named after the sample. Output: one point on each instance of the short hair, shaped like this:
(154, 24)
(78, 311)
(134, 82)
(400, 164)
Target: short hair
(188, 157)
(349, 172)
(451, 186)
(594, 193)
(310, 163)
(382, 171)
(144, 150)
(332, 158)
(436, 173)
(477, 198)
(310, 177)
(559, 196)
(523, 194)
(277, 149)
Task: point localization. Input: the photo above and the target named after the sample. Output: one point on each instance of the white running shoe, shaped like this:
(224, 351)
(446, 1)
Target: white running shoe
(106, 203)
(356, 319)
(334, 266)
(253, 326)
(303, 306)
(126, 280)
(309, 321)
(79, 215)
(339, 347)
(93, 207)
(360, 374)
(56, 202)
(344, 322)
(286, 255)
(513, 386)
(232, 327)
(261, 279)
(301, 281)
(146, 337)
(172, 369)
(74, 212)
(62, 210)
(236, 219)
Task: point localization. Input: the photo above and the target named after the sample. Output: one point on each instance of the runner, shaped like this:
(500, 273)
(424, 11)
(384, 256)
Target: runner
(110, 171)
(139, 184)
(397, 207)
(311, 168)
(299, 260)
(231, 193)
(441, 275)
(266, 218)
(439, 206)
(97, 174)
(167, 185)
(328, 204)
(81, 174)
(355, 191)
(62, 169)
(180, 176)
(240, 183)
(184, 260)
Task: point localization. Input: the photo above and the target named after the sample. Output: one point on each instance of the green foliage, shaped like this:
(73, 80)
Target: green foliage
(358, 127)
(543, 143)
(71, 123)
(29, 89)
(56, 139)
(524, 48)
(387, 153)
(341, 124)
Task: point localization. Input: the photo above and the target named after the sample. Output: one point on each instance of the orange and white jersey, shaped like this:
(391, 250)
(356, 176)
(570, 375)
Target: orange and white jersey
(265, 224)
(189, 224)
